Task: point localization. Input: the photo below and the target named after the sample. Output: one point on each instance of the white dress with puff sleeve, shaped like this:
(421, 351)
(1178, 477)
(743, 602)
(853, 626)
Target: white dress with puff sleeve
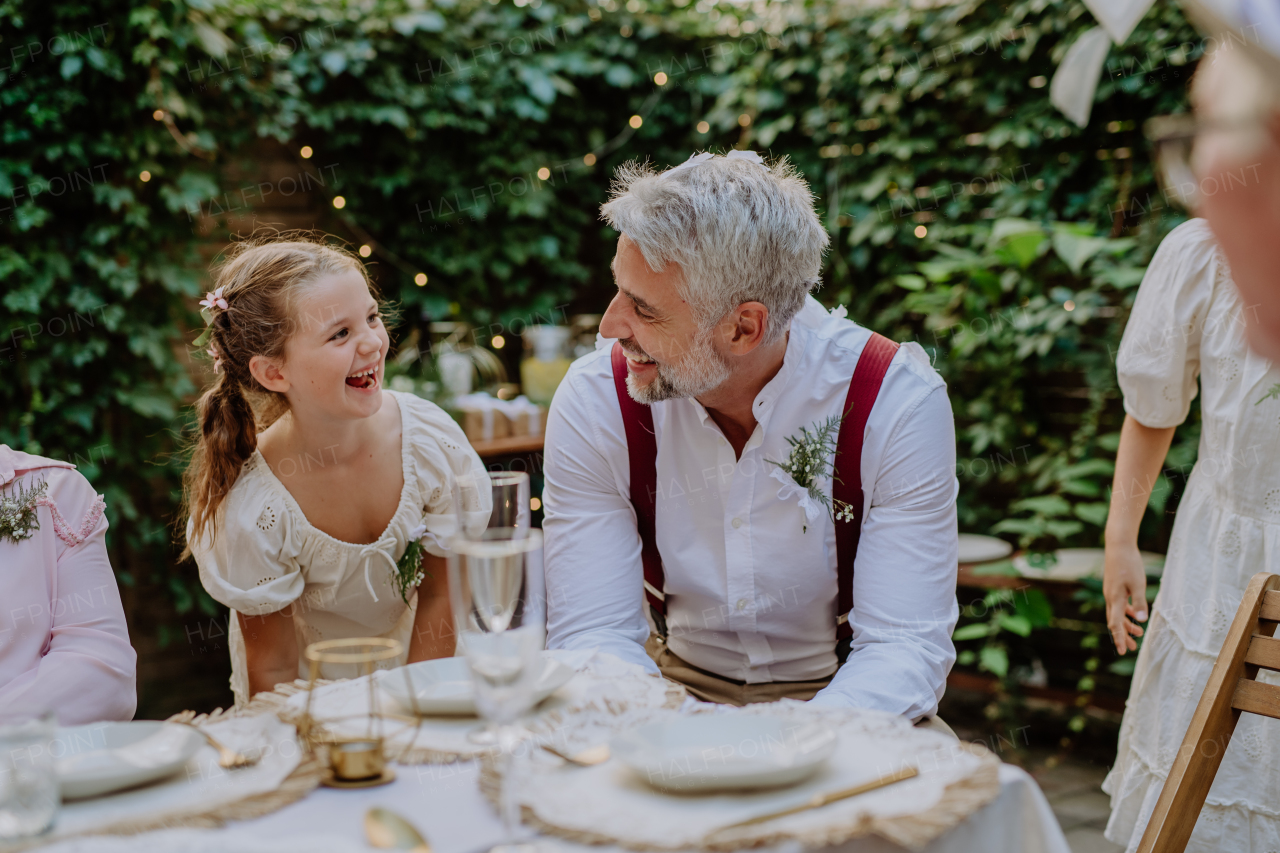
(267, 556)
(1187, 322)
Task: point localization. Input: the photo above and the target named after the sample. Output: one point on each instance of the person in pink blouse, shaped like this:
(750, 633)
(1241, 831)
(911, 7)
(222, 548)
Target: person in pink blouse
(64, 644)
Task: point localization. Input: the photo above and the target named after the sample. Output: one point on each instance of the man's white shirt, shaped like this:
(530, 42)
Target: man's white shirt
(751, 594)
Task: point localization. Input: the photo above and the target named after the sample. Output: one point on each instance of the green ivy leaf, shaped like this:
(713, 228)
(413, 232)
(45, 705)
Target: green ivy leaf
(971, 632)
(994, 659)
(1034, 606)
(1094, 513)
(1019, 625)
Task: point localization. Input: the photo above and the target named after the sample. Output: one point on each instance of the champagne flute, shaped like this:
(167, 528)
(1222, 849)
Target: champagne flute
(496, 591)
(511, 512)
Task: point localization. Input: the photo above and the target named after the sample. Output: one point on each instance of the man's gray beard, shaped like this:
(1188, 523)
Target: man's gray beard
(701, 370)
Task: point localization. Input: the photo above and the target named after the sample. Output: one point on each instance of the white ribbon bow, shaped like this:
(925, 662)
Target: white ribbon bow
(383, 548)
(791, 489)
(699, 159)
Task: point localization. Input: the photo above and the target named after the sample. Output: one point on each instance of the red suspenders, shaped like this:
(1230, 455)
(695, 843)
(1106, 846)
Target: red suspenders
(642, 453)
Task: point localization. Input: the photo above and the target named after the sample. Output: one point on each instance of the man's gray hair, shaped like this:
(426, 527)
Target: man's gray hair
(741, 232)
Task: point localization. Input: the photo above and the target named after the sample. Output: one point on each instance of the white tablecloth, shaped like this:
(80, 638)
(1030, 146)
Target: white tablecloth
(444, 802)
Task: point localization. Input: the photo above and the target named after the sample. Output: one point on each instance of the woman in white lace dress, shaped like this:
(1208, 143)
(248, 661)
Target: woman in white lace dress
(1188, 323)
(320, 512)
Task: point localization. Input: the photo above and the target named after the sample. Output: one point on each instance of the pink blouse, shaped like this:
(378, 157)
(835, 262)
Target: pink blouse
(64, 644)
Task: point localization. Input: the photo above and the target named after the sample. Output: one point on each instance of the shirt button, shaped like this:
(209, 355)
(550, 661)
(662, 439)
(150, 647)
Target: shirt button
(737, 522)
(742, 604)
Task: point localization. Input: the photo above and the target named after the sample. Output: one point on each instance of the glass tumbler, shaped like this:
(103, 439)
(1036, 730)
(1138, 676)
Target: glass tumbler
(29, 796)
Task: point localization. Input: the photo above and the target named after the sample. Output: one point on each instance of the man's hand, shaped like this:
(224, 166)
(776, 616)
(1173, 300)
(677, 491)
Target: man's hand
(1124, 580)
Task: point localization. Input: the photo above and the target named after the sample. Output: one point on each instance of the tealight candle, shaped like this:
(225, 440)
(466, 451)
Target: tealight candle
(354, 760)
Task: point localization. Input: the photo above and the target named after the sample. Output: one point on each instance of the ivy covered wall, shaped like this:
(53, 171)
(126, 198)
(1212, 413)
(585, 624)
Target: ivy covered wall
(472, 141)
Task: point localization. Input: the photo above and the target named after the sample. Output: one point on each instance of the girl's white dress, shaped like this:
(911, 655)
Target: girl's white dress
(1188, 322)
(267, 556)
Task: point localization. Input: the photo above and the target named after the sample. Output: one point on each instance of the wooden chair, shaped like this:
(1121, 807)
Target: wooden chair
(1231, 689)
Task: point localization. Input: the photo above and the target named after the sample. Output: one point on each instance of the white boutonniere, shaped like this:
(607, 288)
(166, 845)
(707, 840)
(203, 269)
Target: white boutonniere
(808, 468)
(18, 519)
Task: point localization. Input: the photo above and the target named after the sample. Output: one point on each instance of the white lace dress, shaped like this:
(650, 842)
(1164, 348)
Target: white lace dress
(1188, 322)
(267, 556)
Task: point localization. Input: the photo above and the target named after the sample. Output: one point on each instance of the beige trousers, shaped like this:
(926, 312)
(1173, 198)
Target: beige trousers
(710, 687)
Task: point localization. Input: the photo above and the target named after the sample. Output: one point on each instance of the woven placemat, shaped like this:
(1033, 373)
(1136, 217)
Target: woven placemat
(956, 779)
(302, 780)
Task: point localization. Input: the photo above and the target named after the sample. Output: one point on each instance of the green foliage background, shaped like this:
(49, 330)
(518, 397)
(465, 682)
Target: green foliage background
(432, 120)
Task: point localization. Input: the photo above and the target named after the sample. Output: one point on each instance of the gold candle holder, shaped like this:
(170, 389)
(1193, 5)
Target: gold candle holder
(354, 762)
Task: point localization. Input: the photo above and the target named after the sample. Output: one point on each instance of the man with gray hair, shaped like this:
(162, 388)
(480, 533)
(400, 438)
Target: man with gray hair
(777, 482)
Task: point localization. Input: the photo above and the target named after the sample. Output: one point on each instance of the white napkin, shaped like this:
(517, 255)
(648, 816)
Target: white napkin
(163, 747)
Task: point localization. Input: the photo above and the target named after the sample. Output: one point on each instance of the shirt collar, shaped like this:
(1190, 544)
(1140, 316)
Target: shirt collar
(14, 463)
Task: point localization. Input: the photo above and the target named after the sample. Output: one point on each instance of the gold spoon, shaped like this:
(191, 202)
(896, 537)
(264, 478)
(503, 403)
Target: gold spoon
(387, 830)
(227, 758)
(588, 757)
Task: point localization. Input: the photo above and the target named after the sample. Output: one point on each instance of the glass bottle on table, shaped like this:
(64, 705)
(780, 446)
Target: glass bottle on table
(547, 358)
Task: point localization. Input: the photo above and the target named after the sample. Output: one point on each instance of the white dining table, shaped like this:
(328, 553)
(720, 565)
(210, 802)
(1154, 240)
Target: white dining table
(445, 803)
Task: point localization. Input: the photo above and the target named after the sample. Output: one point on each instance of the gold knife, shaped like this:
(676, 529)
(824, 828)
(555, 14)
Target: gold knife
(819, 800)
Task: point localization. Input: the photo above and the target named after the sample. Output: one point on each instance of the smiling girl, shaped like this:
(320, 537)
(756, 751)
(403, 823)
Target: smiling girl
(309, 482)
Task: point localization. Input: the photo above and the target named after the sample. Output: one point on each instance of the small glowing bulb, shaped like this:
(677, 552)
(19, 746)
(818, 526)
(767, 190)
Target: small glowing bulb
(420, 279)
(158, 115)
(366, 250)
(498, 342)
(660, 78)
(703, 127)
(589, 160)
(535, 504)
(1069, 305)
(921, 231)
(306, 152)
(636, 121)
(145, 176)
(744, 120)
(544, 173)
(339, 202)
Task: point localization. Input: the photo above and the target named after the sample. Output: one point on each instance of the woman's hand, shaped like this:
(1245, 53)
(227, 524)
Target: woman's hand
(1124, 577)
(1124, 580)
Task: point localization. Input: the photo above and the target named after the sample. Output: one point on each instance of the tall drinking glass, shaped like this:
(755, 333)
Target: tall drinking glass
(29, 795)
(510, 500)
(495, 587)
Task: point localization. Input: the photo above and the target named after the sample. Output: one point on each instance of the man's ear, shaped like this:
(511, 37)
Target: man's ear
(745, 327)
(269, 374)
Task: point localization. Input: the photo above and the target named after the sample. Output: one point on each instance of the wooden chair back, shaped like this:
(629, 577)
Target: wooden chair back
(1231, 690)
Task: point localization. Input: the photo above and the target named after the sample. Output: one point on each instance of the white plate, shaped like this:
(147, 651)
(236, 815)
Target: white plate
(1073, 564)
(444, 689)
(724, 752)
(981, 549)
(101, 758)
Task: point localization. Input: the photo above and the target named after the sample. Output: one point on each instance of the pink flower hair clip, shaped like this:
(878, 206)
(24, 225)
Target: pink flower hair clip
(213, 300)
(216, 356)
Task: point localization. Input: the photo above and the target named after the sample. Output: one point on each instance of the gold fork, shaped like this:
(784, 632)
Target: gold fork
(227, 758)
